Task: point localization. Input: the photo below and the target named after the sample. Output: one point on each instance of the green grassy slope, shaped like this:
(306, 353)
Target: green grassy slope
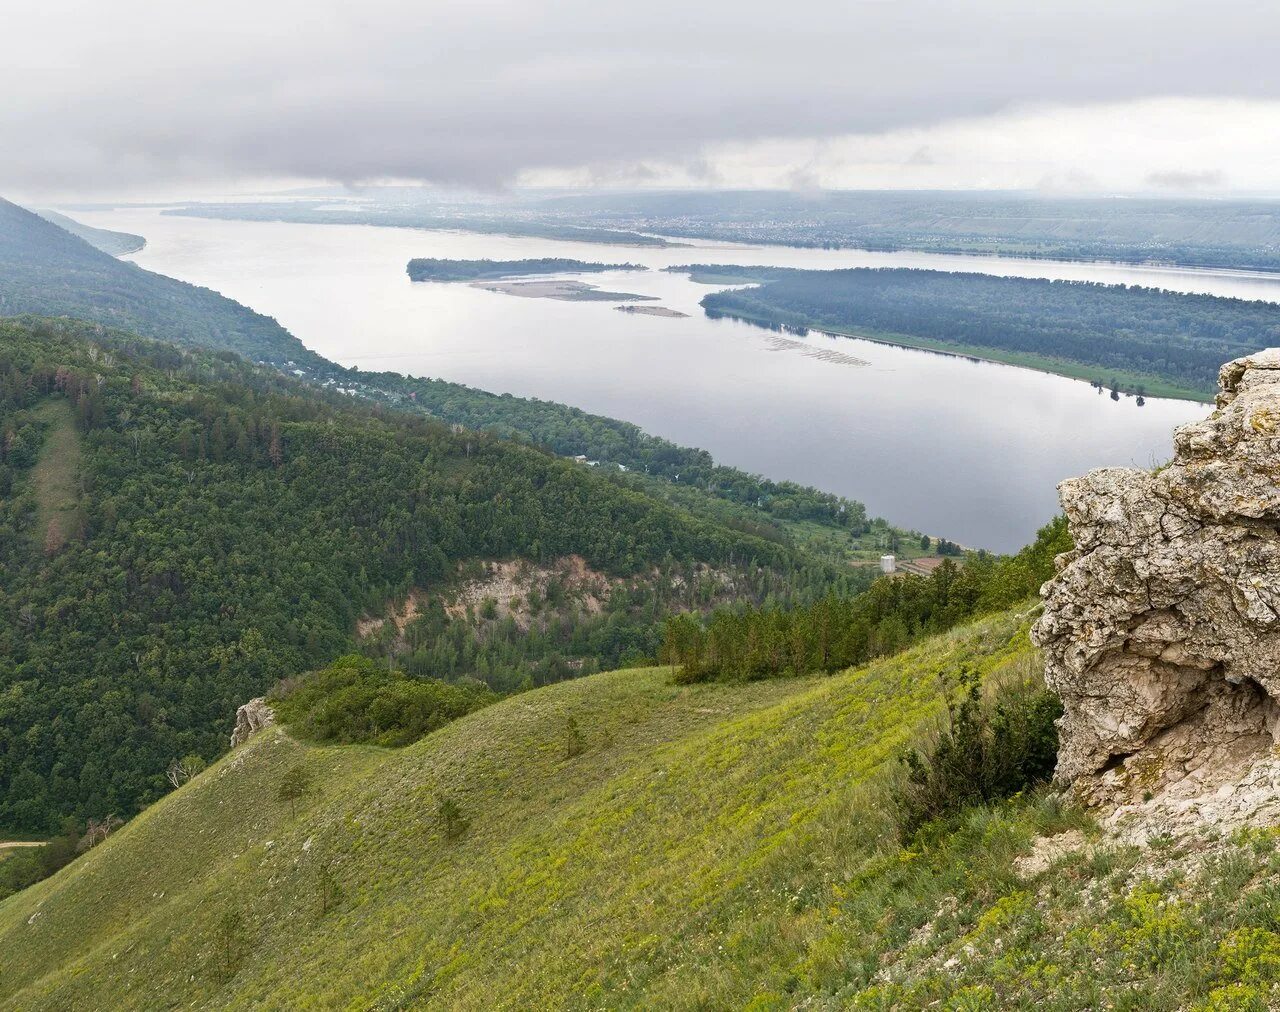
(695, 855)
(714, 846)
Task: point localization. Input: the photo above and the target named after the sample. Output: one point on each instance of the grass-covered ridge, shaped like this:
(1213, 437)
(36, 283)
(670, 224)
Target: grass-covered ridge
(699, 849)
(623, 842)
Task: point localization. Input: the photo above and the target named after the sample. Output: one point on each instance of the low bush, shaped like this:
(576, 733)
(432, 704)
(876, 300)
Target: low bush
(984, 754)
(355, 700)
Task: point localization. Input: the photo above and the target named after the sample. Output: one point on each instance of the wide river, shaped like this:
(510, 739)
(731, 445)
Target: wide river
(962, 449)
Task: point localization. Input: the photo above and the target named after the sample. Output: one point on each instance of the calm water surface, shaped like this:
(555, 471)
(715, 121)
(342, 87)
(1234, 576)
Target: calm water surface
(966, 450)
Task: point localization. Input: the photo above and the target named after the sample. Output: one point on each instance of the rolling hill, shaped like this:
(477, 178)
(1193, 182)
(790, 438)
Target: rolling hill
(694, 855)
(710, 846)
(180, 529)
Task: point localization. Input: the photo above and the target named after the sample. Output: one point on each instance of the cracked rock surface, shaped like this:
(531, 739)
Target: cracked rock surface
(1161, 630)
(251, 717)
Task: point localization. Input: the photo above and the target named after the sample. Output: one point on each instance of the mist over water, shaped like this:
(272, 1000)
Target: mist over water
(961, 449)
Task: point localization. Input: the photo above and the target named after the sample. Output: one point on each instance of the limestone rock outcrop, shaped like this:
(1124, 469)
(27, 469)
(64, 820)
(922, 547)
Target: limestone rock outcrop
(1161, 630)
(251, 717)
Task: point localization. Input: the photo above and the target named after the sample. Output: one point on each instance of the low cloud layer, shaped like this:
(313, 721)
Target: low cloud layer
(1159, 144)
(101, 97)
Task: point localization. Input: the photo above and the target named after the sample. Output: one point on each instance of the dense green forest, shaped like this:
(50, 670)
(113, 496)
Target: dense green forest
(555, 628)
(179, 530)
(834, 633)
(428, 269)
(1137, 332)
(570, 431)
(47, 271)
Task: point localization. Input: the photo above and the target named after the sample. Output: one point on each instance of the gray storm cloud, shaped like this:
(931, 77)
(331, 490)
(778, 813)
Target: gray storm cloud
(134, 93)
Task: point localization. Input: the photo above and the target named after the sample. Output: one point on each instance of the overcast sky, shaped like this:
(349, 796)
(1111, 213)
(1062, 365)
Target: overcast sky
(125, 96)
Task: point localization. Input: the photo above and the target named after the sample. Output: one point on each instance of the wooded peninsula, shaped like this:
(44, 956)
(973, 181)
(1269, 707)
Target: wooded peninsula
(1144, 341)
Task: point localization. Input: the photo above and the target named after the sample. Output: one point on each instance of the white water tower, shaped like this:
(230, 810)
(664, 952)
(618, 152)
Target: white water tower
(888, 564)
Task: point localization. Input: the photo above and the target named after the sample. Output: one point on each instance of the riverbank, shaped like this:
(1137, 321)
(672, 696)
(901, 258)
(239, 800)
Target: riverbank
(1152, 386)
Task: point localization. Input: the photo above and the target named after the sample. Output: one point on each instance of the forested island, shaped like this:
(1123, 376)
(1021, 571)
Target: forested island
(1138, 340)
(430, 269)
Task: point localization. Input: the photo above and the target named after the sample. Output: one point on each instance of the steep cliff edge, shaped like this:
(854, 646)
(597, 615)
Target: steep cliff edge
(1161, 630)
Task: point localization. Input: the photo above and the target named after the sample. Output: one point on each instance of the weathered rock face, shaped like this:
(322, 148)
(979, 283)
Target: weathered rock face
(251, 717)
(1161, 630)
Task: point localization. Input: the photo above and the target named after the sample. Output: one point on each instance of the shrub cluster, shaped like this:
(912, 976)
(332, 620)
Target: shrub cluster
(984, 754)
(355, 700)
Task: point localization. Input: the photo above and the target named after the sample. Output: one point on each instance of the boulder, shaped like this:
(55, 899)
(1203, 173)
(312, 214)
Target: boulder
(1161, 629)
(252, 717)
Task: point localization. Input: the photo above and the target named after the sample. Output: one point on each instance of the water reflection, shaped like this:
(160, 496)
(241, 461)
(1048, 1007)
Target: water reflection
(965, 449)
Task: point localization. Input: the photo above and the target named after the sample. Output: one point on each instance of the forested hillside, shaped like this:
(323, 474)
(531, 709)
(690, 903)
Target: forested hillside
(115, 243)
(1159, 341)
(178, 530)
(571, 431)
(834, 633)
(45, 270)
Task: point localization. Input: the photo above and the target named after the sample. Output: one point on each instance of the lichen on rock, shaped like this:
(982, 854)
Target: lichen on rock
(1161, 630)
(251, 717)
